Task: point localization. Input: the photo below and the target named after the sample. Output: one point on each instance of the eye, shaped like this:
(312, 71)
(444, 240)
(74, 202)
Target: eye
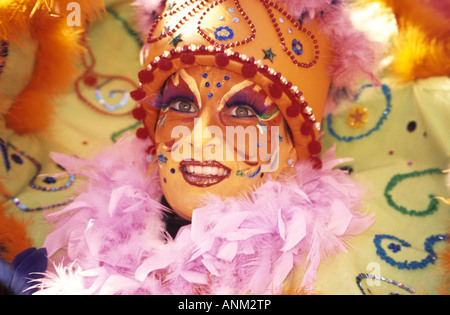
(242, 111)
(183, 106)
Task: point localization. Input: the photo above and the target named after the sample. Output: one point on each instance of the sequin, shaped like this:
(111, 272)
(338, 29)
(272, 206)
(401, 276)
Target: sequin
(176, 40)
(395, 247)
(123, 102)
(387, 93)
(49, 180)
(412, 126)
(405, 264)
(25, 208)
(269, 54)
(253, 175)
(297, 47)
(357, 117)
(224, 33)
(396, 179)
(16, 158)
(363, 276)
(162, 159)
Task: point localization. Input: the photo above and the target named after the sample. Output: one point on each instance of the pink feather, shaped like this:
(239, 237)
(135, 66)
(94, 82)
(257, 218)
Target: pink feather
(113, 232)
(145, 14)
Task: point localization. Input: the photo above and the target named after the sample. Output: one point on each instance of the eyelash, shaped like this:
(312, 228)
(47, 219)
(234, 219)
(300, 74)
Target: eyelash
(235, 107)
(250, 101)
(175, 101)
(169, 96)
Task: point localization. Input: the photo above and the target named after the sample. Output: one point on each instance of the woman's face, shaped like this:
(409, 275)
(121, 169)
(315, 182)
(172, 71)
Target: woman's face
(217, 133)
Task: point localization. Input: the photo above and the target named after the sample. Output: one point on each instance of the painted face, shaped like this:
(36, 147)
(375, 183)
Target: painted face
(217, 133)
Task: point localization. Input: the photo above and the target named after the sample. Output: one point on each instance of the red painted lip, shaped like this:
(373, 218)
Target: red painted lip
(203, 180)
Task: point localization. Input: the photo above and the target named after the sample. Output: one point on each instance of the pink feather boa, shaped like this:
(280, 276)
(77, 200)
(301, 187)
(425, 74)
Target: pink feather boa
(115, 241)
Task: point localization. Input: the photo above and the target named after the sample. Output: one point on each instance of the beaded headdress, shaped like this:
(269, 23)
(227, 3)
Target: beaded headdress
(294, 50)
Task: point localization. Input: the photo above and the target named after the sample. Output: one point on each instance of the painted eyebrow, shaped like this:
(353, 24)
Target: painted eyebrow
(246, 93)
(189, 82)
(178, 85)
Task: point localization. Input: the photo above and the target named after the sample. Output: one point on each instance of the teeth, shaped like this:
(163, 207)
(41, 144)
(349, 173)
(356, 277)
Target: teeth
(198, 170)
(205, 170)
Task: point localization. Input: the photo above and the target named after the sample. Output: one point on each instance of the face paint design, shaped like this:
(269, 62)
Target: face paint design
(207, 103)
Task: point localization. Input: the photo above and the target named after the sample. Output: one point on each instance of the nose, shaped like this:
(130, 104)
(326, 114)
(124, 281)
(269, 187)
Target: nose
(206, 136)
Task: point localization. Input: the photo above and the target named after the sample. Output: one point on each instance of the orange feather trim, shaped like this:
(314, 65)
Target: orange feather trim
(54, 71)
(13, 234)
(60, 47)
(422, 47)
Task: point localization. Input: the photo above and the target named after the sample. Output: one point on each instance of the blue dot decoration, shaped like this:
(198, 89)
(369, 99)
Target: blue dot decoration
(408, 265)
(16, 158)
(297, 47)
(49, 180)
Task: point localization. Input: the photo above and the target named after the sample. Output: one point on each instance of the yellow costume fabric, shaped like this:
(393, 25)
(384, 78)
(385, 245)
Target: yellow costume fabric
(397, 134)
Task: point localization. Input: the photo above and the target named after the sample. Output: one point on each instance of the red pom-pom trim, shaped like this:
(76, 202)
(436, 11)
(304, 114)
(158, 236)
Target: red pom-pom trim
(188, 58)
(314, 147)
(142, 133)
(293, 110)
(138, 94)
(275, 90)
(90, 80)
(139, 113)
(165, 64)
(222, 60)
(307, 128)
(145, 76)
(249, 70)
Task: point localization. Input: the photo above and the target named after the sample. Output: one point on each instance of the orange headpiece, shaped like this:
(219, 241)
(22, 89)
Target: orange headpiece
(289, 55)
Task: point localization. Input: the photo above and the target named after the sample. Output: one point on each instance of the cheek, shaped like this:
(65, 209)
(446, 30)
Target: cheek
(168, 123)
(170, 175)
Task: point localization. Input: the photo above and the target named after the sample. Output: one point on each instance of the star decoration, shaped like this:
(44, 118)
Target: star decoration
(176, 40)
(358, 116)
(268, 54)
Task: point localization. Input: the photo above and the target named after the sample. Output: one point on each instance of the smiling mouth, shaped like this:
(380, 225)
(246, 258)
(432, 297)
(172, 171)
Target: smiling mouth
(204, 174)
